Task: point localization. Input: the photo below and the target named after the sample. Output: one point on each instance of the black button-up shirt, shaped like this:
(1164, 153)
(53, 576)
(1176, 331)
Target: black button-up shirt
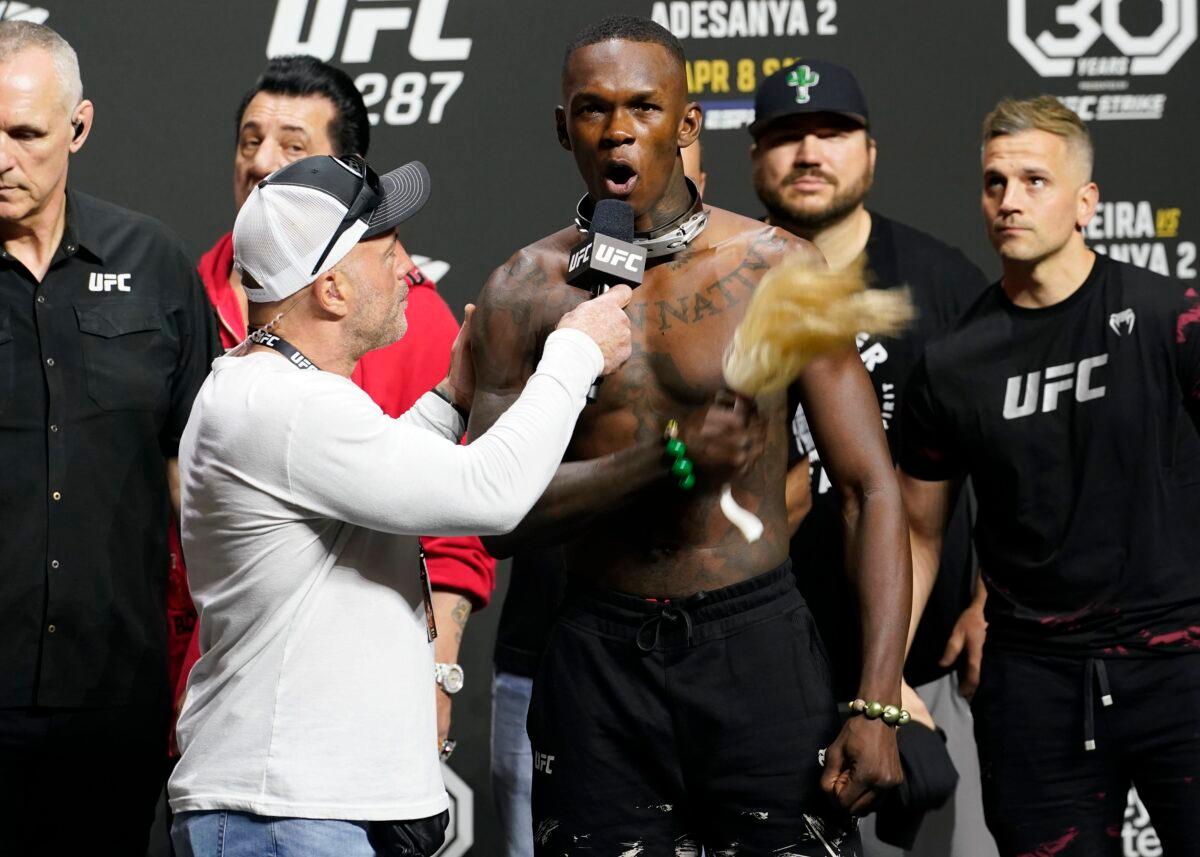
(99, 364)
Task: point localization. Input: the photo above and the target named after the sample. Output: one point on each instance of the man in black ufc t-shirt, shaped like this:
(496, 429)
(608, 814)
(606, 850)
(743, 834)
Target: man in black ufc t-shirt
(1065, 393)
(813, 168)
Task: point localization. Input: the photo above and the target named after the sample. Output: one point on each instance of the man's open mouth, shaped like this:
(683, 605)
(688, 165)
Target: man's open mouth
(619, 178)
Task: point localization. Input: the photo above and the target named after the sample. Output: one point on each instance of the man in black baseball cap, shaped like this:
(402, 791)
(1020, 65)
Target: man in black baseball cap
(809, 86)
(813, 164)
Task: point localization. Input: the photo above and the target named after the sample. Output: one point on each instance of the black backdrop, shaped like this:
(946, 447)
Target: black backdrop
(469, 87)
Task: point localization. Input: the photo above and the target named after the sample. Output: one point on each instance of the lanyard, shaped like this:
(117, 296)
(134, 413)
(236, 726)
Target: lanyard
(291, 352)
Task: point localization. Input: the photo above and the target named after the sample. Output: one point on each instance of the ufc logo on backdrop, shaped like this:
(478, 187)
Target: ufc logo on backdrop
(1052, 383)
(317, 26)
(366, 22)
(1057, 56)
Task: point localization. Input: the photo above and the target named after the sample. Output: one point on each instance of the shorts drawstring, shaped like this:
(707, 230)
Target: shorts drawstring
(669, 612)
(1094, 672)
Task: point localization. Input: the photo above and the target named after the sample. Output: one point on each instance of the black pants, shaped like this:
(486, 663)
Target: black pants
(80, 781)
(1045, 793)
(659, 727)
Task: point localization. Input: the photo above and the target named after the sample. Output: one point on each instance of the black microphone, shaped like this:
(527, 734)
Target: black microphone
(607, 256)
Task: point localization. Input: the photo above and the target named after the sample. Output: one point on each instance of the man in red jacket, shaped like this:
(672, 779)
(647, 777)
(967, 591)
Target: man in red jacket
(298, 107)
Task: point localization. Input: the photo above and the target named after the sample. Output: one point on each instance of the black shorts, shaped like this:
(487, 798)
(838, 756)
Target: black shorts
(662, 726)
(1044, 792)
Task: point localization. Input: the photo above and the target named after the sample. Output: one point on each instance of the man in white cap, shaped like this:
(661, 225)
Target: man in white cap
(309, 726)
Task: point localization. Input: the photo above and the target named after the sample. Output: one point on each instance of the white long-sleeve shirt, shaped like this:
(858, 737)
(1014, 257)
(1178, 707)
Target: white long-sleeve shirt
(313, 696)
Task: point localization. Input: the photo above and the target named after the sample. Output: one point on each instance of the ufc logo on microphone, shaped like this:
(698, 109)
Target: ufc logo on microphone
(580, 257)
(1053, 382)
(618, 258)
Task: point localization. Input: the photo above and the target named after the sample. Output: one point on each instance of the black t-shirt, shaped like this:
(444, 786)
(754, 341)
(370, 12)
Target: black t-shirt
(943, 283)
(1072, 421)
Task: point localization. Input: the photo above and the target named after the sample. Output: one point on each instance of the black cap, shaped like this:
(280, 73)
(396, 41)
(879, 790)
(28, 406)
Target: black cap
(808, 86)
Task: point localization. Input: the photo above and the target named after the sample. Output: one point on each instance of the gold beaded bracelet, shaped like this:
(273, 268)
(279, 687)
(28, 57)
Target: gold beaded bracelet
(874, 710)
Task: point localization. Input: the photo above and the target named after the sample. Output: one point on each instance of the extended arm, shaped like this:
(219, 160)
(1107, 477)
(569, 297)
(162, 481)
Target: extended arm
(504, 344)
(350, 462)
(844, 417)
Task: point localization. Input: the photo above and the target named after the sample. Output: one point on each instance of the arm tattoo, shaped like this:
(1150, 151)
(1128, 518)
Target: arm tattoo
(460, 614)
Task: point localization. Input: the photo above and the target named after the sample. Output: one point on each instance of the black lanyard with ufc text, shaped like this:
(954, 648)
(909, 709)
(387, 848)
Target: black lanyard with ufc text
(291, 352)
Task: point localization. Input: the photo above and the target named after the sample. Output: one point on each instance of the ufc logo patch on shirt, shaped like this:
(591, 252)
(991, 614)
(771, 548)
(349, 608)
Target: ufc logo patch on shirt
(543, 763)
(1052, 383)
(109, 282)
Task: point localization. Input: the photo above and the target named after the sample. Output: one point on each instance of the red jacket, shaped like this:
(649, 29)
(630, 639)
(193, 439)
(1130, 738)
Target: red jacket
(394, 377)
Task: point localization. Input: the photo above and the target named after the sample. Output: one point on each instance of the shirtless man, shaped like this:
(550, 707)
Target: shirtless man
(684, 697)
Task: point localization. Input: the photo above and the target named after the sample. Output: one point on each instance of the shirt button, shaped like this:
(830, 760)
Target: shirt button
(70, 248)
(56, 495)
(54, 563)
(51, 628)
(41, 299)
(54, 428)
(49, 361)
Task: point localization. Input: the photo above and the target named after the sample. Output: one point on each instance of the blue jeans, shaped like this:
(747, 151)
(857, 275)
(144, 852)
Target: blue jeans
(221, 833)
(512, 762)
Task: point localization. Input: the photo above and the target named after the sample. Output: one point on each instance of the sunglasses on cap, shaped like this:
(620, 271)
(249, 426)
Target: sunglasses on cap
(365, 200)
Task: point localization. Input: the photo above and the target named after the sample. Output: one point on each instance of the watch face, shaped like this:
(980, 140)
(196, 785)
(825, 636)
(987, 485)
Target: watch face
(452, 678)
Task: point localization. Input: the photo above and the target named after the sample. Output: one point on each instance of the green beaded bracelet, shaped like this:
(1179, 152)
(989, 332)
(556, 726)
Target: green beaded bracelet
(892, 715)
(682, 467)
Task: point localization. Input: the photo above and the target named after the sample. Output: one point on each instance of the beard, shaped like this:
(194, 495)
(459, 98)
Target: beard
(378, 325)
(806, 219)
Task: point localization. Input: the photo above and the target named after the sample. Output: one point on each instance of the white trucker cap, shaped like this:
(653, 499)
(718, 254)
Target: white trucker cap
(304, 218)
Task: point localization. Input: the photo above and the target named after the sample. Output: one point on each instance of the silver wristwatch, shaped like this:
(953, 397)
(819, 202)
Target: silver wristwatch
(449, 676)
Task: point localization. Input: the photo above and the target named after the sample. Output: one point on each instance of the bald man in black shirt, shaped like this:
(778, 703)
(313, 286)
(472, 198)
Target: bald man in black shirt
(105, 337)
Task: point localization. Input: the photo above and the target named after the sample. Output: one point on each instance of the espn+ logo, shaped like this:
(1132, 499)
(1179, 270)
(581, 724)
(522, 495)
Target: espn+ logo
(348, 32)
